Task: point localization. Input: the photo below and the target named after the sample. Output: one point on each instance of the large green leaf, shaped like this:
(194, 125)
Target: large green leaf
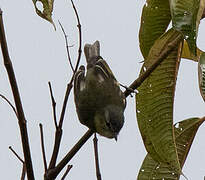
(185, 132)
(201, 75)
(186, 53)
(185, 17)
(154, 21)
(200, 13)
(46, 13)
(154, 103)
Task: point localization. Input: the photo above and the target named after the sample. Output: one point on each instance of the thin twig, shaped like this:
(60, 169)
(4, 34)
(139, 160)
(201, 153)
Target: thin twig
(170, 47)
(53, 104)
(58, 134)
(68, 90)
(52, 174)
(43, 147)
(18, 157)
(17, 99)
(67, 47)
(69, 87)
(95, 142)
(10, 104)
(67, 171)
(80, 39)
(23, 173)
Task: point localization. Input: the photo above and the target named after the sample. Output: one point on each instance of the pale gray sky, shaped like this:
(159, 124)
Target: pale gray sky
(38, 55)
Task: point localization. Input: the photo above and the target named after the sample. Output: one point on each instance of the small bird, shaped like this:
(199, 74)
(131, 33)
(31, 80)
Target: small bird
(99, 101)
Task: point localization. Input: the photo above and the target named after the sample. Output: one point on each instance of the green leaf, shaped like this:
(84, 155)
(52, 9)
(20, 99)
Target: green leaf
(200, 12)
(185, 132)
(47, 9)
(201, 75)
(154, 21)
(185, 18)
(154, 103)
(186, 53)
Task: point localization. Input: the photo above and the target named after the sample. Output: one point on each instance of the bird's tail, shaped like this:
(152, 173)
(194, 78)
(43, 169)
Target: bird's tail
(92, 50)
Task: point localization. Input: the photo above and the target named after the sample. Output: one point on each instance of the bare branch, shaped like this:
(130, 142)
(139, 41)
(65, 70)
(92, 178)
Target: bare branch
(95, 142)
(43, 147)
(18, 157)
(17, 99)
(58, 134)
(53, 104)
(68, 90)
(23, 173)
(52, 173)
(69, 87)
(170, 47)
(10, 104)
(80, 39)
(67, 171)
(67, 47)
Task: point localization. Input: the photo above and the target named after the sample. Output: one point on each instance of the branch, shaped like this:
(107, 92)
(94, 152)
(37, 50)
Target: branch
(53, 104)
(67, 47)
(69, 87)
(95, 142)
(52, 174)
(80, 40)
(43, 147)
(23, 173)
(67, 171)
(58, 134)
(18, 157)
(17, 99)
(11, 105)
(163, 55)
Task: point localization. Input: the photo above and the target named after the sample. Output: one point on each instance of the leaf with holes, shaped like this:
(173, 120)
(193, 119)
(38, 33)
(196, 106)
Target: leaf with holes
(186, 53)
(46, 12)
(185, 17)
(154, 103)
(201, 75)
(154, 21)
(185, 132)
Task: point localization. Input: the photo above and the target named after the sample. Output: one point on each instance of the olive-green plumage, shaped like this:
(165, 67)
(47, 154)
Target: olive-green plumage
(99, 101)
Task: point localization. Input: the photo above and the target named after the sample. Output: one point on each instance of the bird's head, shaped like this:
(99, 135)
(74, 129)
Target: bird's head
(109, 121)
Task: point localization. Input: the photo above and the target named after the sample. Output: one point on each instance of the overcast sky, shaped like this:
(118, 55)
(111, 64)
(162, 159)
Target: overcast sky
(38, 54)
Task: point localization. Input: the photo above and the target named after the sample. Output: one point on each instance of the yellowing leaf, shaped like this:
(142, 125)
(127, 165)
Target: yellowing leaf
(185, 132)
(46, 13)
(186, 53)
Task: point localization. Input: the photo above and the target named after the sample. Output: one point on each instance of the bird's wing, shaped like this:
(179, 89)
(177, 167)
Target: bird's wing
(79, 81)
(103, 67)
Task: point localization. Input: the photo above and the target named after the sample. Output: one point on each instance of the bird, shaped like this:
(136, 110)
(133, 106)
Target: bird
(99, 101)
